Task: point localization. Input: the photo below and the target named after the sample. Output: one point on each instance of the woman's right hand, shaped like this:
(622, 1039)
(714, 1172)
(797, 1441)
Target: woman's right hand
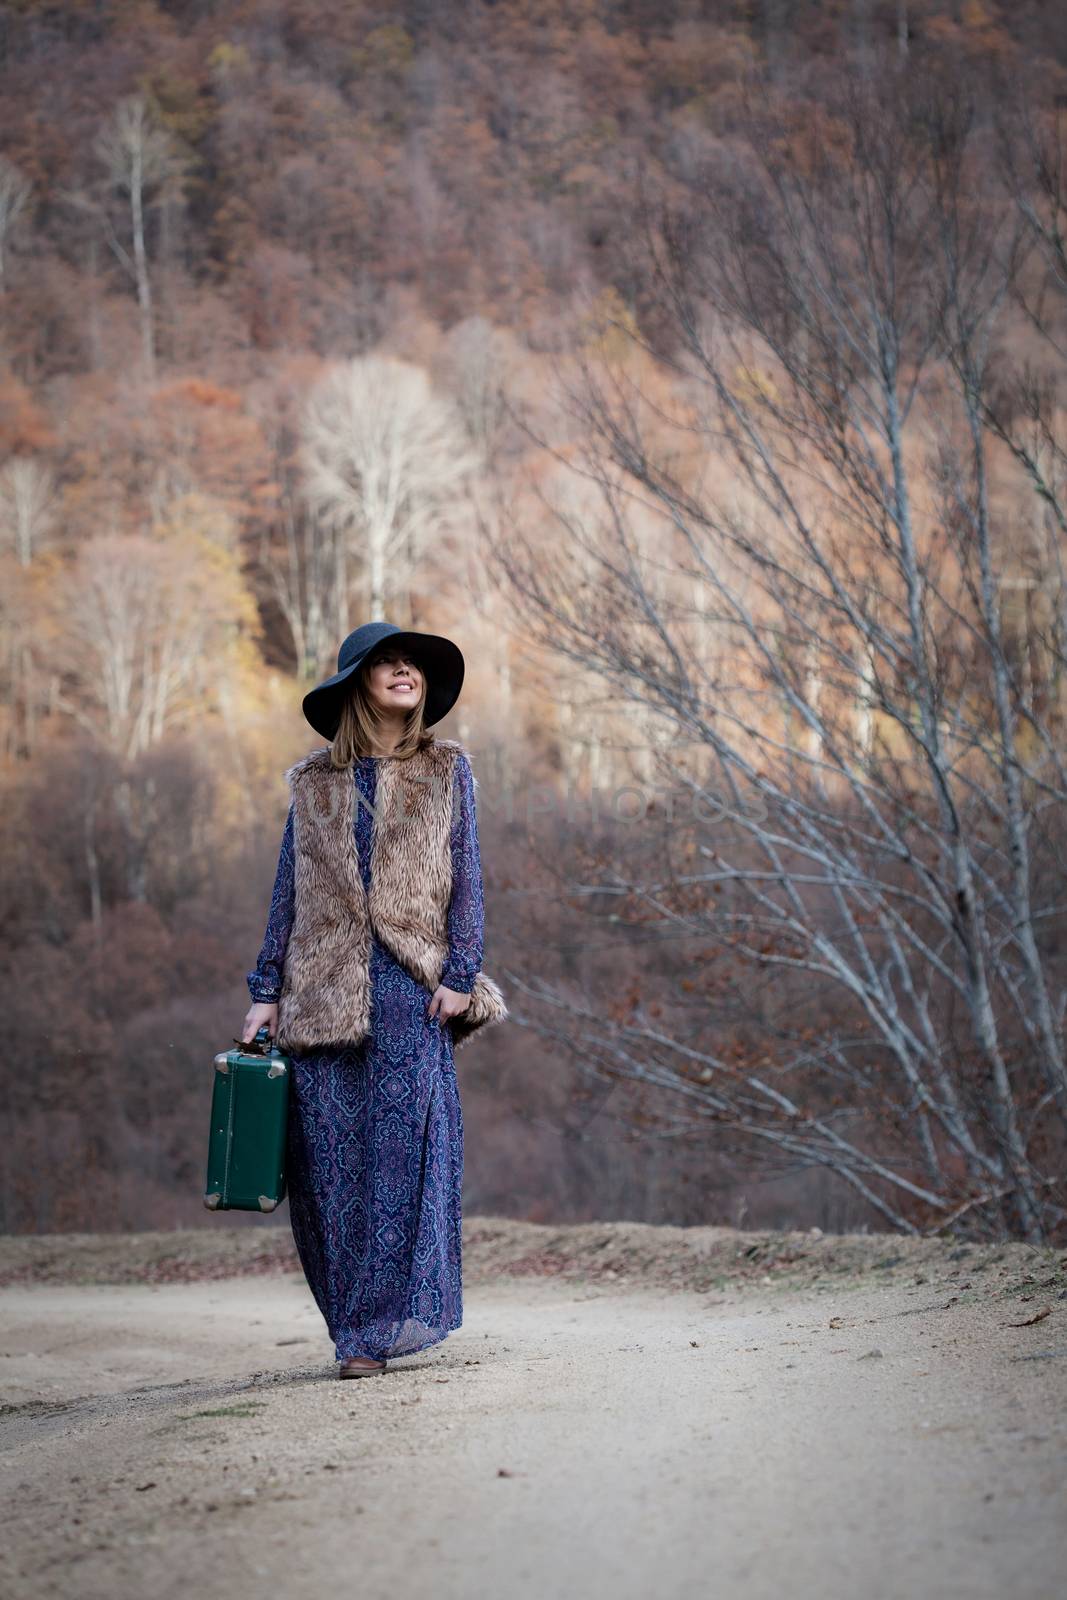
(258, 1015)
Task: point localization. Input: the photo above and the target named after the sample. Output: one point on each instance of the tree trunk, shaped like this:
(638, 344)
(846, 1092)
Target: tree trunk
(140, 257)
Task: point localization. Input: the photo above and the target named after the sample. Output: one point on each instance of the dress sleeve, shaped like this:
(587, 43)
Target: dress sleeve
(265, 980)
(466, 911)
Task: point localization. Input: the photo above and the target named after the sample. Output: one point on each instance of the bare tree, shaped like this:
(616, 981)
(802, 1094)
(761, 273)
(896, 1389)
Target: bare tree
(886, 812)
(15, 191)
(1023, 408)
(296, 551)
(27, 506)
(300, 574)
(27, 519)
(385, 461)
(475, 365)
(143, 165)
(143, 620)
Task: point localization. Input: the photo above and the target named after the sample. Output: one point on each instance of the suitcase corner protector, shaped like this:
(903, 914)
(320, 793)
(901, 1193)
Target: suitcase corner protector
(266, 1203)
(212, 1201)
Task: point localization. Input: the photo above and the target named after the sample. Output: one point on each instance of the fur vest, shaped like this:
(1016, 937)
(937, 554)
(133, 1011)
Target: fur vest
(325, 998)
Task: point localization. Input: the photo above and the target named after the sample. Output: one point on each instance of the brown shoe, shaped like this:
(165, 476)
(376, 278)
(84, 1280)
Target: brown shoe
(360, 1367)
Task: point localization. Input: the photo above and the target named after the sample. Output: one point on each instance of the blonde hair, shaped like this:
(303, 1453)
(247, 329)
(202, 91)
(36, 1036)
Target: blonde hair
(361, 721)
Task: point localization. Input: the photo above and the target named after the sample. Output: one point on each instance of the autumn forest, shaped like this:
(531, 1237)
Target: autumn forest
(699, 367)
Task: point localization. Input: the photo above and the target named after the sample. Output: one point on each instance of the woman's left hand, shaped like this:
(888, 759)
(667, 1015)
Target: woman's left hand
(447, 1003)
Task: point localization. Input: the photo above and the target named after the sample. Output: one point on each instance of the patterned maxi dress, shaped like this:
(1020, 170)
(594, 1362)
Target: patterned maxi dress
(375, 1156)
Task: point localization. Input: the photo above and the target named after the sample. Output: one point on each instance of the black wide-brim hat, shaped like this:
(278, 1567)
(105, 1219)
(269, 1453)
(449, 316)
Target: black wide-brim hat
(440, 661)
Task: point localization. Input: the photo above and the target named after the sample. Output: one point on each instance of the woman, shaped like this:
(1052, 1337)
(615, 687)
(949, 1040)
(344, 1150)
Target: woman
(369, 977)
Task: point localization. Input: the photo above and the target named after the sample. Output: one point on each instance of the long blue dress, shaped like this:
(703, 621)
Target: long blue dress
(375, 1154)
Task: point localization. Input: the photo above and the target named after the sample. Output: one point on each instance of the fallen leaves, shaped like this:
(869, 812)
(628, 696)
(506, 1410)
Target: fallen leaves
(1028, 1322)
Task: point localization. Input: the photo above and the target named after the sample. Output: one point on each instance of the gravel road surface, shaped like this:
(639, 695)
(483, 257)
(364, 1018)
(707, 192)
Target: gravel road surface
(890, 1437)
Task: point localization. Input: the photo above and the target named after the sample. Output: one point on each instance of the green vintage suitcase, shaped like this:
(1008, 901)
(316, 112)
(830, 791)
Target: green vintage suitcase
(249, 1114)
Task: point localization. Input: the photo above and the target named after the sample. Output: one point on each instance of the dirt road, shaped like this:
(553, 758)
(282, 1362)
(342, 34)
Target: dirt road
(577, 1438)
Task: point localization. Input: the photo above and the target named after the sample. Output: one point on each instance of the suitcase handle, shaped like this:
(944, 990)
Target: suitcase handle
(261, 1045)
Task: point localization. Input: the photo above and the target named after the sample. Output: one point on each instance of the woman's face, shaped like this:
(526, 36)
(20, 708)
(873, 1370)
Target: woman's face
(394, 682)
